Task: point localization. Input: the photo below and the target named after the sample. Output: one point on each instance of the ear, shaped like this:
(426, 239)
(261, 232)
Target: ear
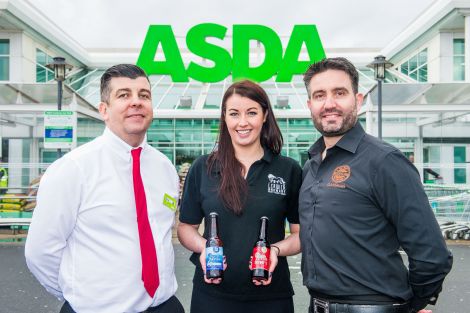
(265, 116)
(359, 101)
(103, 109)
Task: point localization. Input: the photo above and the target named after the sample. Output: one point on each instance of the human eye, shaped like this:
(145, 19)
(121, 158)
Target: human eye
(123, 95)
(318, 96)
(233, 114)
(145, 96)
(252, 113)
(340, 93)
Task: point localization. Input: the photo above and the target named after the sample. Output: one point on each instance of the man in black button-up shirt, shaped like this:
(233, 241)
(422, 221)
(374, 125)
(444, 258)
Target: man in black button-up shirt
(361, 200)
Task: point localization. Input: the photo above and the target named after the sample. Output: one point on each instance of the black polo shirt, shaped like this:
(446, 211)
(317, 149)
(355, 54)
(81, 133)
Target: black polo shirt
(357, 207)
(273, 188)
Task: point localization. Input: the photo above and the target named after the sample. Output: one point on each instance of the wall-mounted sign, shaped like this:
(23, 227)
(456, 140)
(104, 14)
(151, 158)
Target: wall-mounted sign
(283, 64)
(58, 129)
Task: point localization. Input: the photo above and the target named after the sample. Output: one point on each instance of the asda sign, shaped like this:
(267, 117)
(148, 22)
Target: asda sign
(277, 61)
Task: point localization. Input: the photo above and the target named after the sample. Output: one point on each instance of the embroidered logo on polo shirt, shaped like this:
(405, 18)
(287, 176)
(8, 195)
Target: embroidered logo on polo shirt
(339, 176)
(276, 185)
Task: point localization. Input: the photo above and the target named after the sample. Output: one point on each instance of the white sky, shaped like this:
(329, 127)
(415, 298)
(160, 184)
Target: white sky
(105, 24)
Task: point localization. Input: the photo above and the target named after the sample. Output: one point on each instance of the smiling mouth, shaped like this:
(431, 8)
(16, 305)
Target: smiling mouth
(135, 115)
(243, 132)
(331, 115)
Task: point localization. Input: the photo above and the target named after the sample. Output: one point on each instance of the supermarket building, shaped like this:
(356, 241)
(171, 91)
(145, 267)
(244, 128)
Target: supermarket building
(426, 95)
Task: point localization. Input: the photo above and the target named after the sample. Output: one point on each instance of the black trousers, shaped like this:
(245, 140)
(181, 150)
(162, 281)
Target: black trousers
(172, 305)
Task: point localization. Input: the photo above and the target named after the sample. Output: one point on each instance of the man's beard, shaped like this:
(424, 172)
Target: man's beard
(348, 122)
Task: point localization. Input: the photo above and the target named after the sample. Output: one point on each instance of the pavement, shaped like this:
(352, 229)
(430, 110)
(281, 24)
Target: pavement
(21, 293)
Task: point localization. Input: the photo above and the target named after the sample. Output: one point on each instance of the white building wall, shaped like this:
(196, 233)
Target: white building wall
(29, 59)
(434, 48)
(446, 57)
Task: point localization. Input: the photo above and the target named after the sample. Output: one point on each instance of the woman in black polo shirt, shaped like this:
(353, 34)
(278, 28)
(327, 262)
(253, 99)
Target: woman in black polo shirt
(242, 180)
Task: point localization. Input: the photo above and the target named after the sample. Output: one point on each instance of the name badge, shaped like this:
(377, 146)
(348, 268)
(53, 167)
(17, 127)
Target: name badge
(169, 202)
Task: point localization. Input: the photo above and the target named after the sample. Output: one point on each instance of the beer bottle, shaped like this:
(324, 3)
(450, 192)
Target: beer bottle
(214, 251)
(260, 258)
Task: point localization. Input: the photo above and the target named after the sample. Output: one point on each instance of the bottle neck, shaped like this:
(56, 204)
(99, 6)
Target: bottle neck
(213, 231)
(263, 229)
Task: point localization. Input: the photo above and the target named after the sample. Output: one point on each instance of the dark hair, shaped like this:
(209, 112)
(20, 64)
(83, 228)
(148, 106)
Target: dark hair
(233, 187)
(340, 64)
(120, 70)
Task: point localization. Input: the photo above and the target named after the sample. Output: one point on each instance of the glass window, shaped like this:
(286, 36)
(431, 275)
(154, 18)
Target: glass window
(43, 74)
(4, 59)
(187, 153)
(416, 67)
(413, 63)
(404, 68)
(423, 57)
(459, 59)
(460, 175)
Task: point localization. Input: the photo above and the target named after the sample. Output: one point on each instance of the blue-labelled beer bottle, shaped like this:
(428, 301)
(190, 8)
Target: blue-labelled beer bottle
(214, 250)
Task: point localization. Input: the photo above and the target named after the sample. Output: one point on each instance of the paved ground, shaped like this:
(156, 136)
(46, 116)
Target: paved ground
(20, 293)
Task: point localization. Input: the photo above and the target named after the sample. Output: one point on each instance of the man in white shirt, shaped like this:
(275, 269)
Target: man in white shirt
(100, 237)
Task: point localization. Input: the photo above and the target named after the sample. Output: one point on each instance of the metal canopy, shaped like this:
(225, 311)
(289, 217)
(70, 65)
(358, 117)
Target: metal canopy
(40, 97)
(423, 94)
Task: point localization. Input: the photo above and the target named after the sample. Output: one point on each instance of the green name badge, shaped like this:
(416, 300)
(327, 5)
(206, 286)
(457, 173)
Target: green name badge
(169, 202)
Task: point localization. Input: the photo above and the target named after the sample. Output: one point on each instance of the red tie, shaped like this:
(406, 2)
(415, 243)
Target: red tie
(147, 246)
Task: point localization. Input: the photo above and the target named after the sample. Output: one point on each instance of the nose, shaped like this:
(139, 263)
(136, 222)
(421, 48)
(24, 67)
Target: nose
(243, 121)
(329, 102)
(136, 101)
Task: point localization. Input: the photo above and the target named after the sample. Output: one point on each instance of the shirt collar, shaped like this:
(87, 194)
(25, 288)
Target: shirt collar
(267, 156)
(119, 146)
(349, 142)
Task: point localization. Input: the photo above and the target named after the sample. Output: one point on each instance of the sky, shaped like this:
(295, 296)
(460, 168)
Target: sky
(122, 24)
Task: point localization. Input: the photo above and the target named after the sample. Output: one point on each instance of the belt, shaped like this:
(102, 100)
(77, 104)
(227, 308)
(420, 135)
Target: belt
(324, 306)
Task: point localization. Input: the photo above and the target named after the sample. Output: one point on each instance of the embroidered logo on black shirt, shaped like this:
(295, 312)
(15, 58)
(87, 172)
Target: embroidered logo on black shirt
(276, 185)
(339, 176)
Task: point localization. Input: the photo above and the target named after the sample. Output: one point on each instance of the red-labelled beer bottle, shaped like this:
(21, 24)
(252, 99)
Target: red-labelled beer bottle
(214, 250)
(260, 258)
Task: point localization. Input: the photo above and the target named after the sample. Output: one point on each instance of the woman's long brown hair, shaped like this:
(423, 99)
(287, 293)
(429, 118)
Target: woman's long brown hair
(233, 188)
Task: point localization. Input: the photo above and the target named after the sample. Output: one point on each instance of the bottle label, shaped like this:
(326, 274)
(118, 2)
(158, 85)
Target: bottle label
(260, 258)
(214, 258)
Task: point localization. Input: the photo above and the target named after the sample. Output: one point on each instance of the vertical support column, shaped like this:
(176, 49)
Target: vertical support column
(369, 115)
(34, 156)
(418, 152)
(15, 170)
(467, 45)
(73, 107)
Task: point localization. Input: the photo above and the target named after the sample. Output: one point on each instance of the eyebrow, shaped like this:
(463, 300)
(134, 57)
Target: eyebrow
(122, 90)
(334, 89)
(252, 108)
(129, 90)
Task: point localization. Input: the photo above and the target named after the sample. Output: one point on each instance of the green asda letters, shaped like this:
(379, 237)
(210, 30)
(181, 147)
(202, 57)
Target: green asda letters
(275, 62)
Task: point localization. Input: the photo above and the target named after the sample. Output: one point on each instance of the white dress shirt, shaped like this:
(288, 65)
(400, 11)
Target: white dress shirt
(83, 243)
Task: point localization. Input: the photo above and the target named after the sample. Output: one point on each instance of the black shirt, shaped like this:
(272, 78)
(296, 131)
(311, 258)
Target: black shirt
(357, 207)
(273, 188)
